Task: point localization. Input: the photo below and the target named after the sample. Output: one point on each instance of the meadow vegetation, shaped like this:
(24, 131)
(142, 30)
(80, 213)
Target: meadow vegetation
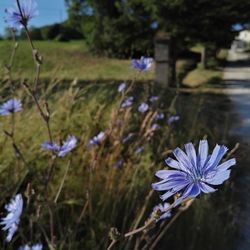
(105, 185)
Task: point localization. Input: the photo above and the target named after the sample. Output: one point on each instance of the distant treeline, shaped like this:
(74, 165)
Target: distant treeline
(58, 31)
(122, 28)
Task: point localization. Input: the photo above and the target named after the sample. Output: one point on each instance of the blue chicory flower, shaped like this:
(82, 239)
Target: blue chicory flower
(173, 118)
(11, 221)
(159, 116)
(142, 64)
(143, 107)
(62, 150)
(11, 106)
(122, 87)
(51, 146)
(163, 210)
(67, 146)
(127, 102)
(194, 174)
(155, 126)
(34, 247)
(127, 138)
(17, 20)
(139, 150)
(96, 140)
(153, 98)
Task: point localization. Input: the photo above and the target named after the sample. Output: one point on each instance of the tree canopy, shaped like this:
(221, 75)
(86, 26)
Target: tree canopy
(124, 27)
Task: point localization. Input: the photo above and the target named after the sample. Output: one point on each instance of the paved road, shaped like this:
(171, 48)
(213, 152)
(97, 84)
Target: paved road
(238, 68)
(237, 77)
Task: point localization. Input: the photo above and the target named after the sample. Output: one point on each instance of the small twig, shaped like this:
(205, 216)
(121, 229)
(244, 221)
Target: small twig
(17, 151)
(112, 244)
(163, 232)
(51, 223)
(62, 182)
(231, 152)
(148, 223)
(45, 117)
(82, 212)
(143, 210)
(50, 172)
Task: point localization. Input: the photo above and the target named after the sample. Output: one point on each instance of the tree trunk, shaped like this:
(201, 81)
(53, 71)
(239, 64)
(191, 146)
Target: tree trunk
(173, 80)
(204, 57)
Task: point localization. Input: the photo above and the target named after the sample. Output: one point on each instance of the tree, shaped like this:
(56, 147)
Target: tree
(203, 21)
(115, 27)
(119, 27)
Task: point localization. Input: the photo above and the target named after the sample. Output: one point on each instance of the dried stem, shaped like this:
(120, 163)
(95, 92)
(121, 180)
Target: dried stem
(148, 223)
(232, 151)
(45, 117)
(17, 151)
(62, 182)
(171, 222)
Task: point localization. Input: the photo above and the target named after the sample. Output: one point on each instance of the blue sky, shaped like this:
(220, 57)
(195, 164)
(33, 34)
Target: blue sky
(50, 11)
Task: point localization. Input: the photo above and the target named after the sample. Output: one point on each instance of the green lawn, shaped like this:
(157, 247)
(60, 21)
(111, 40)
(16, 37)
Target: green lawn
(210, 77)
(66, 60)
(199, 77)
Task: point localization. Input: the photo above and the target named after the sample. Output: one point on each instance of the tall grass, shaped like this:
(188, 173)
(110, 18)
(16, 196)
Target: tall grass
(73, 202)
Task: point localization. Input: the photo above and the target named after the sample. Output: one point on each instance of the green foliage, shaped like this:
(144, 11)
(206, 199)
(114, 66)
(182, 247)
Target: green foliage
(35, 34)
(51, 32)
(202, 21)
(123, 28)
(57, 31)
(115, 28)
(97, 196)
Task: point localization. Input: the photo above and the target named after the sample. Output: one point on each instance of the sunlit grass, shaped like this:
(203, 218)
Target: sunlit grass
(67, 60)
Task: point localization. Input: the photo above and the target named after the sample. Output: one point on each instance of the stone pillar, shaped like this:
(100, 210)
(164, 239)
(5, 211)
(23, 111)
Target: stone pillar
(164, 60)
(204, 57)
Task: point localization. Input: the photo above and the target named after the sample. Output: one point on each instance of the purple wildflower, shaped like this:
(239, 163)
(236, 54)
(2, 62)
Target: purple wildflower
(155, 126)
(127, 102)
(153, 98)
(119, 164)
(173, 118)
(128, 137)
(139, 150)
(67, 146)
(61, 151)
(11, 106)
(51, 146)
(143, 107)
(142, 64)
(11, 221)
(161, 211)
(34, 247)
(194, 174)
(15, 19)
(96, 140)
(122, 87)
(159, 116)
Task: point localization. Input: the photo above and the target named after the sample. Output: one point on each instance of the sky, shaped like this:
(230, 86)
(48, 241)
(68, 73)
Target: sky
(50, 11)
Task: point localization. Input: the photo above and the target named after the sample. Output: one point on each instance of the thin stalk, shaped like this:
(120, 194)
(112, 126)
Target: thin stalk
(163, 232)
(62, 182)
(148, 224)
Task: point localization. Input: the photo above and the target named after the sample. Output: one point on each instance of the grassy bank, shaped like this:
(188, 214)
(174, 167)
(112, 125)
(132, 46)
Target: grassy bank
(209, 77)
(67, 60)
(72, 202)
(97, 193)
(71, 60)
(202, 77)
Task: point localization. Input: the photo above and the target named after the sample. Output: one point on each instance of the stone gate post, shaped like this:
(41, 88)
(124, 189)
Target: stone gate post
(164, 60)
